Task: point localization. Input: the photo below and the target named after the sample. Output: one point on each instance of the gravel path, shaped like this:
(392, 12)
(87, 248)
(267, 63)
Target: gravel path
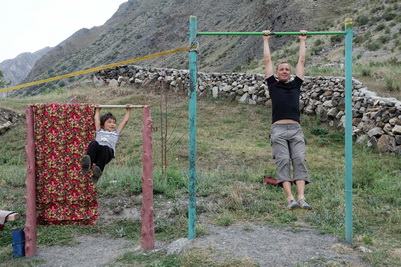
(262, 244)
(278, 246)
(89, 252)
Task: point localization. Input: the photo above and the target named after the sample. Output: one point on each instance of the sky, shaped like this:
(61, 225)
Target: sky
(30, 25)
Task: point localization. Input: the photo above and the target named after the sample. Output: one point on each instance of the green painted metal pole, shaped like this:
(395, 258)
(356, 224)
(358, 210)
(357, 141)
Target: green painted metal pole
(348, 131)
(272, 33)
(192, 128)
(348, 109)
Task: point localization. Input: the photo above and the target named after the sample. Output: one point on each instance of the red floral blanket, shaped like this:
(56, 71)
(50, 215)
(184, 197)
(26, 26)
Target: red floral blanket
(63, 194)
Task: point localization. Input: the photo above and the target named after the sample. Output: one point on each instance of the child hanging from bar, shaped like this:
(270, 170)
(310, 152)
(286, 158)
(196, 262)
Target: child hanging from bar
(102, 150)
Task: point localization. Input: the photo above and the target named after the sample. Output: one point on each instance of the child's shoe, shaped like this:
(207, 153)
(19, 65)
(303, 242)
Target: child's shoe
(85, 163)
(97, 172)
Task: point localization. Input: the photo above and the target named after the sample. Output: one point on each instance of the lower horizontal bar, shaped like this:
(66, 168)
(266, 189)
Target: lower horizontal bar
(272, 33)
(121, 106)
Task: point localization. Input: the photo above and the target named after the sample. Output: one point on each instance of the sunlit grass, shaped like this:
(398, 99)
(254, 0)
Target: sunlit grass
(233, 155)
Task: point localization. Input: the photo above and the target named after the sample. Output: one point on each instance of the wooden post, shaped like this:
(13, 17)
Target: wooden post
(148, 241)
(30, 224)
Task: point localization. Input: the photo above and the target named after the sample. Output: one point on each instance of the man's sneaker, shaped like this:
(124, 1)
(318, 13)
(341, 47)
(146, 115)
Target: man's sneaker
(85, 163)
(97, 172)
(293, 204)
(304, 204)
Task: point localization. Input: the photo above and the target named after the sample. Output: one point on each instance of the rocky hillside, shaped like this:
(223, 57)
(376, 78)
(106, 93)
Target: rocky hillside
(141, 27)
(15, 70)
(8, 119)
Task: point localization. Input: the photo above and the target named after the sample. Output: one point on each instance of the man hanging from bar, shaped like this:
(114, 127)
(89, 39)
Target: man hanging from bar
(102, 150)
(286, 136)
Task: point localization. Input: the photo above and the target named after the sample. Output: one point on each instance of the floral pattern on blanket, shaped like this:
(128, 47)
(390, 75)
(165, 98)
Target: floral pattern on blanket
(62, 133)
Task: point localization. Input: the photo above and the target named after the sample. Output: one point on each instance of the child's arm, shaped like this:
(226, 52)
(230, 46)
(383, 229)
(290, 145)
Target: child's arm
(125, 119)
(97, 118)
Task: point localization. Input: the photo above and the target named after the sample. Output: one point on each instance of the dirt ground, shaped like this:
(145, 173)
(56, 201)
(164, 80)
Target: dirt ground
(261, 244)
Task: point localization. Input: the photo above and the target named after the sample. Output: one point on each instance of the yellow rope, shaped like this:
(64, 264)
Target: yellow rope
(185, 48)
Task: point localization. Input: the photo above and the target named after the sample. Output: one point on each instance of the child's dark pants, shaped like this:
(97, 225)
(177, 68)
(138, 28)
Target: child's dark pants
(100, 155)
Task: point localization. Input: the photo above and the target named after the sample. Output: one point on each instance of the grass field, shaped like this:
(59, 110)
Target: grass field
(233, 156)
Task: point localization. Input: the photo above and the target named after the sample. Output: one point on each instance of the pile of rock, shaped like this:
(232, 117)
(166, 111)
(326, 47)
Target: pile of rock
(8, 118)
(376, 121)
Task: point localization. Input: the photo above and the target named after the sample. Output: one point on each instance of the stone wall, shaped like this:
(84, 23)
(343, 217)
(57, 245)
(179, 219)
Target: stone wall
(376, 120)
(8, 119)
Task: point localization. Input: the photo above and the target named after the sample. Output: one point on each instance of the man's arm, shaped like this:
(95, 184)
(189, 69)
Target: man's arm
(266, 54)
(300, 69)
(97, 118)
(125, 119)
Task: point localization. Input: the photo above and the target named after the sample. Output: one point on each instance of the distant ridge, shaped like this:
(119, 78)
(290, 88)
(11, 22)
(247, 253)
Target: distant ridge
(139, 28)
(15, 70)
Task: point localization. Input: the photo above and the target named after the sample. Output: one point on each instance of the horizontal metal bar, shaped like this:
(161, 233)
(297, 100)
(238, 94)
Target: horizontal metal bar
(121, 106)
(272, 33)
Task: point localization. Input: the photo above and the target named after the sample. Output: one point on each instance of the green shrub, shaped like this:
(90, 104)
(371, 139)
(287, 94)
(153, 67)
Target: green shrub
(319, 131)
(376, 9)
(380, 27)
(389, 16)
(358, 39)
(318, 42)
(336, 39)
(373, 46)
(362, 20)
(366, 72)
(384, 39)
(391, 85)
(316, 49)
(393, 61)
(373, 20)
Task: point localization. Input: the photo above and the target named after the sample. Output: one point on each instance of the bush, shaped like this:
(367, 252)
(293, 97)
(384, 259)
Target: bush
(366, 72)
(373, 21)
(319, 131)
(376, 9)
(358, 39)
(362, 20)
(336, 39)
(389, 16)
(316, 50)
(318, 42)
(373, 46)
(383, 39)
(391, 85)
(380, 27)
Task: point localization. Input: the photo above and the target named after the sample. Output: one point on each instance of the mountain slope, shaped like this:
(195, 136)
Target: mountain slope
(16, 70)
(140, 28)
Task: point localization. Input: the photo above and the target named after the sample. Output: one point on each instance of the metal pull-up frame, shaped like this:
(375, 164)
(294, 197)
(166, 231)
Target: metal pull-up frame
(121, 106)
(147, 241)
(272, 33)
(193, 42)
